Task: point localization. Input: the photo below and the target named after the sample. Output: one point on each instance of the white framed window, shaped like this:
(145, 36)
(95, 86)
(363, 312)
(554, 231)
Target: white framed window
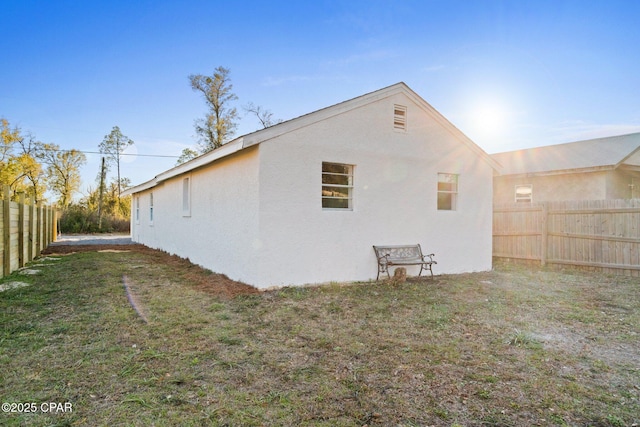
(137, 210)
(400, 118)
(186, 196)
(524, 193)
(337, 186)
(151, 208)
(447, 191)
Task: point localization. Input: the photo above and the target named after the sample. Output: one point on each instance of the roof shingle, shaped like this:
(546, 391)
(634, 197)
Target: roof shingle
(609, 152)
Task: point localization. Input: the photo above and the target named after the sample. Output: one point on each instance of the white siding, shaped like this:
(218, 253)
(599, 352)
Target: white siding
(257, 216)
(569, 186)
(394, 199)
(222, 226)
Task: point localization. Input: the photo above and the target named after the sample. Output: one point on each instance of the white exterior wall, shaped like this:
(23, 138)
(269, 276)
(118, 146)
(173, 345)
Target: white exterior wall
(394, 199)
(223, 224)
(569, 186)
(256, 215)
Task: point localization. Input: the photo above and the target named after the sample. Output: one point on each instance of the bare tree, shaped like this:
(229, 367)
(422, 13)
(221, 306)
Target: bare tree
(113, 145)
(265, 116)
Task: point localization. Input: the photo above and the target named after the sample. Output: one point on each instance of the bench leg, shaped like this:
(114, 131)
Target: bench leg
(427, 267)
(430, 270)
(382, 268)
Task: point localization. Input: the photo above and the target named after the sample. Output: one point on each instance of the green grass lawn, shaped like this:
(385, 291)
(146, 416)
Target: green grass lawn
(511, 347)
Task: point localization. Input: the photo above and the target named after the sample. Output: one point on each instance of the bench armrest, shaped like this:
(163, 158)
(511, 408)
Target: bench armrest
(430, 256)
(384, 259)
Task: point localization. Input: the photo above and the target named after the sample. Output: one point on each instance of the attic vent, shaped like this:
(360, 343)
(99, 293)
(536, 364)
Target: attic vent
(400, 117)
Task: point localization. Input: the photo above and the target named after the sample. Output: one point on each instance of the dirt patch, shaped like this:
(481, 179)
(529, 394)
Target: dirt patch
(202, 279)
(13, 285)
(28, 271)
(58, 249)
(133, 300)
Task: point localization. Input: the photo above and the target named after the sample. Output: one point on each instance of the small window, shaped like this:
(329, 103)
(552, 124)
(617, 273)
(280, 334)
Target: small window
(524, 193)
(151, 208)
(337, 186)
(137, 209)
(400, 117)
(186, 196)
(447, 191)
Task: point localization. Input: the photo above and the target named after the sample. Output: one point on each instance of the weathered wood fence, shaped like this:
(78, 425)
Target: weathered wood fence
(25, 230)
(600, 234)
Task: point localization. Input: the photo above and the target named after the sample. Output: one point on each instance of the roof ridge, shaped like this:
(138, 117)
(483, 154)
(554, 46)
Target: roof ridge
(582, 141)
(597, 153)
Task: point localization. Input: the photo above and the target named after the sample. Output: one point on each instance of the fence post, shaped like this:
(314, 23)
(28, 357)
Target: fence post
(45, 225)
(50, 239)
(545, 234)
(21, 262)
(55, 225)
(38, 229)
(31, 230)
(6, 231)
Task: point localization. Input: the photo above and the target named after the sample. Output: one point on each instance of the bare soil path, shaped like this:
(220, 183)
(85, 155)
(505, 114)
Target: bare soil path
(92, 239)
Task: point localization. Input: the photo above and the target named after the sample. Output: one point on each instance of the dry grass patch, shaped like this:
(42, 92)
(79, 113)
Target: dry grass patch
(505, 348)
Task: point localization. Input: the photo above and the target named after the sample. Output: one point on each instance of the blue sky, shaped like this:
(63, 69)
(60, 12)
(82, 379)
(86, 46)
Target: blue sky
(509, 74)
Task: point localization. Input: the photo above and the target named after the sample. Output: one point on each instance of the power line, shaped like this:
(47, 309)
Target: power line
(125, 154)
(97, 152)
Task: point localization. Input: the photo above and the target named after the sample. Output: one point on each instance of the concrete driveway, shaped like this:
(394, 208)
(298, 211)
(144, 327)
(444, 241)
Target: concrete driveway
(92, 239)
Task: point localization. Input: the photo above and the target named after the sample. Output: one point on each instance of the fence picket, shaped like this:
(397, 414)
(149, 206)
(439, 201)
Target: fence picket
(602, 234)
(21, 232)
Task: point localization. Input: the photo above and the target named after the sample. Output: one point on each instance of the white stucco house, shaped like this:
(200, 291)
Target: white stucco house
(304, 201)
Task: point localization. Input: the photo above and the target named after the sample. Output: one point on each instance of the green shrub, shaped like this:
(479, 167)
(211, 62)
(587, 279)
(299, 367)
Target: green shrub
(79, 219)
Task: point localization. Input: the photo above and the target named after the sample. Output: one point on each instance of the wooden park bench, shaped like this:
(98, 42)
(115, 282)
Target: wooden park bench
(401, 255)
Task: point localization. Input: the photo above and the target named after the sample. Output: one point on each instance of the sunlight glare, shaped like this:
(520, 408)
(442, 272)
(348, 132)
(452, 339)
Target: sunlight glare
(489, 120)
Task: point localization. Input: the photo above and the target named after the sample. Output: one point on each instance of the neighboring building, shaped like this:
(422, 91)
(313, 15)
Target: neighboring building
(597, 169)
(304, 201)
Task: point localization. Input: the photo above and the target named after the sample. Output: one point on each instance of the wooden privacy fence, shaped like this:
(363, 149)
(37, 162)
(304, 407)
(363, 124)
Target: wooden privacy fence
(25, 230)
(602, 234)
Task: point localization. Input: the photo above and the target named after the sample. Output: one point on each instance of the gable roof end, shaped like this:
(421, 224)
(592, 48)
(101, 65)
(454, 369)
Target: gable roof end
(334, 110)
(277, 130)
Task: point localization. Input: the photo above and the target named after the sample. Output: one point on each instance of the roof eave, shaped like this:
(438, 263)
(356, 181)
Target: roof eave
(444, 122)
(203, 160)
(322, 114)
(263, 135)
(334, 110)
(186, 167)
(560, 171)
(140, 187)
(627, 157)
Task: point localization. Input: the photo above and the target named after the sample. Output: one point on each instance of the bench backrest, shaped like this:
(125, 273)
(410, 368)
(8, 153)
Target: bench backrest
(399, 252)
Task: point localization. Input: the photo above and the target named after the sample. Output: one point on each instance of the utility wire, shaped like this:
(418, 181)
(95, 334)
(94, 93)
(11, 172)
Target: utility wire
(97, 152)
(124, 154)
